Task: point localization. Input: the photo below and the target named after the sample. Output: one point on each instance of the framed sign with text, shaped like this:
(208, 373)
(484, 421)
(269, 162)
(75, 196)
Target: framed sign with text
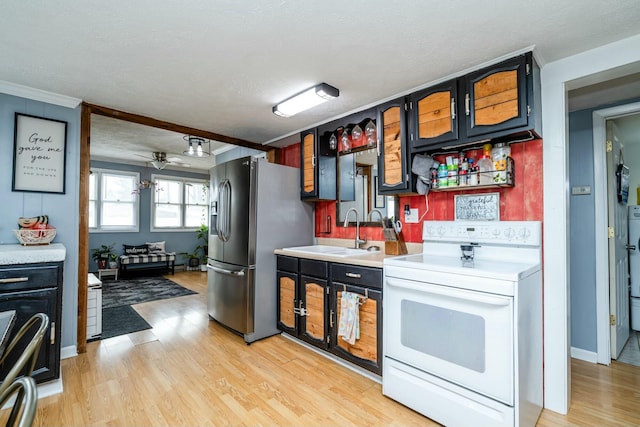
(477, 207)
(39, 154)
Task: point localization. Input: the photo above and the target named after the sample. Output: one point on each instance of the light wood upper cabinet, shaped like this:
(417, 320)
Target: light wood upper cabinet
(434, 115)
(393, 158)
(496, 99)
(317, 168)
(308, 163)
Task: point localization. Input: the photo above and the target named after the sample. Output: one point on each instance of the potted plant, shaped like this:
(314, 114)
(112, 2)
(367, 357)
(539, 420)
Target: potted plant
(102, 255)
(202, 234)
(193, 260)
(113, 260)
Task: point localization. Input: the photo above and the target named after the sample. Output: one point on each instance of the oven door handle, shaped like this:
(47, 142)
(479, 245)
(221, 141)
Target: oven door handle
(448, 291)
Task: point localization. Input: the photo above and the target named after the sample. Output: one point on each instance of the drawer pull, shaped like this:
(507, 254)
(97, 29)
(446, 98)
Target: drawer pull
(353, 275)
(53, 333)
(14, 280)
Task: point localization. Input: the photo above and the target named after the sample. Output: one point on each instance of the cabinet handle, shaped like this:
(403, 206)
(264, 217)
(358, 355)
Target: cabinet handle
(313, 161)
(52, 337)
(354, 275)
(14, 280)
(453, 109)
(466, 104)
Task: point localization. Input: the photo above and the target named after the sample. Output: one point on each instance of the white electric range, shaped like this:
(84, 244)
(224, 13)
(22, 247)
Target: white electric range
(462, 324)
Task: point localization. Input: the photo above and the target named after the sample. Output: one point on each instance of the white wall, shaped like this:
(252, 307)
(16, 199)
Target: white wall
(601, 64)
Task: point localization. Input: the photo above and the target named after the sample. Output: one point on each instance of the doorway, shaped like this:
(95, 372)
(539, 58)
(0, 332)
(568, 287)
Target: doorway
(605, 293)
(85, 153)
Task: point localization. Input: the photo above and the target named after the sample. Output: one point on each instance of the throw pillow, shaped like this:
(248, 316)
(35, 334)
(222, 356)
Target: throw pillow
(136, 250)
(156, 246)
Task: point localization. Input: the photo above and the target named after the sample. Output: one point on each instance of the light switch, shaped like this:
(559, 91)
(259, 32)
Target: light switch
(580, 190)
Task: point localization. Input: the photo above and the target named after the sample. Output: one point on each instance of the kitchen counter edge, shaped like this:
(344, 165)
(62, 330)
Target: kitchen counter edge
(372, 259)
(18, 254)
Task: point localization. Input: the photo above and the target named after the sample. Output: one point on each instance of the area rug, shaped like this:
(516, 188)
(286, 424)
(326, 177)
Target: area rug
(116, 293)
(121, 320)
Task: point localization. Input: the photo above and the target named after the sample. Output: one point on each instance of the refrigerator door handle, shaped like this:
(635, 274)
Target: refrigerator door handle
(225, 271)
(223, 226)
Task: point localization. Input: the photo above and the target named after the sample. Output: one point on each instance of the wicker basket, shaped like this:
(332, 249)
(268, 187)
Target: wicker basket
(28, 236)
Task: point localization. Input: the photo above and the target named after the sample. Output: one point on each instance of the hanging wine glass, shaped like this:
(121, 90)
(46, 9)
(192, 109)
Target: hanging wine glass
(345, 141)
(356, 134)
(333, 142)
(371, 133)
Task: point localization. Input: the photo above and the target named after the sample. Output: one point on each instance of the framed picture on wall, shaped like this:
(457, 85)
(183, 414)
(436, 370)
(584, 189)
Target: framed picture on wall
(39, 154)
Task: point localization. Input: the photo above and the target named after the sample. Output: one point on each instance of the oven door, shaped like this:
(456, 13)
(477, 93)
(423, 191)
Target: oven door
(462, 336)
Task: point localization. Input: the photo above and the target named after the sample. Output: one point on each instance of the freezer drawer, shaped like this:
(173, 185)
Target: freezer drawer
(230, 296)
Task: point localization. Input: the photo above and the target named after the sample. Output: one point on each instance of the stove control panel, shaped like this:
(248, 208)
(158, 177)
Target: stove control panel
(527, 233)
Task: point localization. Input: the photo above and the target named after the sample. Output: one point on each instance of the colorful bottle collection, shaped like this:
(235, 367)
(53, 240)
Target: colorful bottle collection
(461, 171)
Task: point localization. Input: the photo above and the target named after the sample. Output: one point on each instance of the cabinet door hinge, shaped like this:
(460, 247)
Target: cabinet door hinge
(326, 290)
(328, 339)
(528, 110)
(612, 319)
(527, 68)
(53, 333)
(408, 106)
(609, 146)
(611, 232)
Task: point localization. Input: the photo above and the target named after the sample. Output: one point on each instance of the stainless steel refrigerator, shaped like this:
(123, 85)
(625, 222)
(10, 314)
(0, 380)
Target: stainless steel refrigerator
(255, 209)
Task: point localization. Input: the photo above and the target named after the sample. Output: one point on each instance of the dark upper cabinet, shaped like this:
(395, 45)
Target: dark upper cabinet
(498, 99)
(434, 115)
(317, 167)
(499, 102)
(393, 156)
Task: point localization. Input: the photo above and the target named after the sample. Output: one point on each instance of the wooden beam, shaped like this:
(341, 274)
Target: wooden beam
(83, 228)
(149, 121)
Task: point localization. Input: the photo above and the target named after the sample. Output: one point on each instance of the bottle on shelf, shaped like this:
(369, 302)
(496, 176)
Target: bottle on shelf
(485, 166)
(499, 155)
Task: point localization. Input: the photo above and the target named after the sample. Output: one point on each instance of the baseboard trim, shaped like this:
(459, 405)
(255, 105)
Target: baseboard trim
(68, 352)
(587, 356)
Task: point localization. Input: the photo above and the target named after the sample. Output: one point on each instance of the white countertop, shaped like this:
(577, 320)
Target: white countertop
(369, 259)
(18, 254)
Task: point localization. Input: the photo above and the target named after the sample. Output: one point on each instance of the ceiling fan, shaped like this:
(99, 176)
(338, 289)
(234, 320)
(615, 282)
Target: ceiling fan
(159, 160)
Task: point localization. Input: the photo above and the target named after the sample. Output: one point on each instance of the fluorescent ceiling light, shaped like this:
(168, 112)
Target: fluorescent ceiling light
(305, 100)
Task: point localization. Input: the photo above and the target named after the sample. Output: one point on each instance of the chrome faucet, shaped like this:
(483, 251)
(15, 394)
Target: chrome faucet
(379, 214)
(358, 240)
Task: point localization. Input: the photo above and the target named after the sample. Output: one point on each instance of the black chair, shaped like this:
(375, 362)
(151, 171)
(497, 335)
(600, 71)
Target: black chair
(24, 408)
(26, 361)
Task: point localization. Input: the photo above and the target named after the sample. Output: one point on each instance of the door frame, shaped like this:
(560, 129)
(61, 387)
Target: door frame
(603, 329)
(87, 110)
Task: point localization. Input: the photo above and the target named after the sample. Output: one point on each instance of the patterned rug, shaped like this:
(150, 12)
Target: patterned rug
(117, 293)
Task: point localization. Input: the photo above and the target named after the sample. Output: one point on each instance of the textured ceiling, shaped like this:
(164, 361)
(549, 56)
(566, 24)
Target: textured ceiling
(221, 65)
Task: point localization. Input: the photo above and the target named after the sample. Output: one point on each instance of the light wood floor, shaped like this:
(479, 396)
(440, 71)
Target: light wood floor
(190, 371)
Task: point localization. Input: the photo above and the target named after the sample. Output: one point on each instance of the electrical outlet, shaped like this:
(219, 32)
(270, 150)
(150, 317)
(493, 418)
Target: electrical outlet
(412, 218)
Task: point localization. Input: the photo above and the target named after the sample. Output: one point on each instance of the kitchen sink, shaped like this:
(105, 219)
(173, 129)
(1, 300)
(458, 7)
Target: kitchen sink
(337, 251)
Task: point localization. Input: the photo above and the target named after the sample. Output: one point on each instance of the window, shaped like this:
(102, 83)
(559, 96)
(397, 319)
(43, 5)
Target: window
(112, 204)
(179, 203)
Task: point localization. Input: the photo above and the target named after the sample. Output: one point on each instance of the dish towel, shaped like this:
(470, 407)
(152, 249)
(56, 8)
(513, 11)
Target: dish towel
(349, 326)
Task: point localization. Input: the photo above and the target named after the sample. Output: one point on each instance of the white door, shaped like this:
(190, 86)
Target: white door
(618, 256)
